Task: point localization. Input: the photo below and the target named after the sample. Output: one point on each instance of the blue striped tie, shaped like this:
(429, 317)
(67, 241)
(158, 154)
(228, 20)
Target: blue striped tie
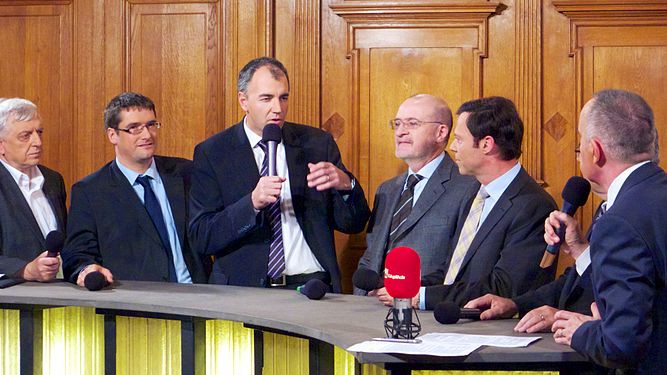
(276, 250)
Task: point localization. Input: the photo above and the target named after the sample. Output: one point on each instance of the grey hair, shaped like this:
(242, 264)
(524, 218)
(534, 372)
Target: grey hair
(18, 109)
(277, 69)
(623, 122)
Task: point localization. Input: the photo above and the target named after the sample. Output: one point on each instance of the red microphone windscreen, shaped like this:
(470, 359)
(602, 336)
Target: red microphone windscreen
(402, 276)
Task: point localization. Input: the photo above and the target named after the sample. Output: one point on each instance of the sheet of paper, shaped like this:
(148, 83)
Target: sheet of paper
(488, 340)
(451, 349)
(443, 344)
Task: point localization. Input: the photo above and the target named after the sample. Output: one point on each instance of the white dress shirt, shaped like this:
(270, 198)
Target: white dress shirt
(34, 196)
(299, 258)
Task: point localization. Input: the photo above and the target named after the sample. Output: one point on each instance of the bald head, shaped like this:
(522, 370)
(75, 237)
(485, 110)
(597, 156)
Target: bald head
(420, 143)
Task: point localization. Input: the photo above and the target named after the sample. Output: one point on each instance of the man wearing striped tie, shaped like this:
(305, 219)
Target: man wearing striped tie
(419, 208)
(499, 242)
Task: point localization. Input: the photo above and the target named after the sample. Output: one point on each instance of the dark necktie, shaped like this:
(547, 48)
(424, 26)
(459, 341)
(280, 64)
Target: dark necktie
(403, 208)
(602, 208)
(153, 207)
(276, 251)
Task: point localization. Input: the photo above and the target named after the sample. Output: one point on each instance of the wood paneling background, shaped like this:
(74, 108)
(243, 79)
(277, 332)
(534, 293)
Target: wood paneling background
(351, 63)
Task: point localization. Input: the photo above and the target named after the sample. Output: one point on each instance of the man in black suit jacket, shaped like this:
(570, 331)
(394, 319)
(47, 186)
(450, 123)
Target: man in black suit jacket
(128, 220)
(422, 128)
(500, 240)
(232, 205)
(32, 197)
(628, 245)
(572, 291)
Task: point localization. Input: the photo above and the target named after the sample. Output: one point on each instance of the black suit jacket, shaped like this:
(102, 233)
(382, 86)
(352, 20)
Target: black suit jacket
(569, 292)
(432, 222)
(224, 222)
(21, 240)
(504, 256)
(110, 226)
(629, 264)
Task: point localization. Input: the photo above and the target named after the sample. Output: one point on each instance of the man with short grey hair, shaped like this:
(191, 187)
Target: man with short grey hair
(32, 197)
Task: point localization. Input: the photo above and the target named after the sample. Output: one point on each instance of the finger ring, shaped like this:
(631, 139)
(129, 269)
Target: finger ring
(541, 317)
(328, 178)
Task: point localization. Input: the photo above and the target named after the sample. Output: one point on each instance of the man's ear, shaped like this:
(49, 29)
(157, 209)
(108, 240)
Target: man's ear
(112, 134)
(598, 152)
(243, 100)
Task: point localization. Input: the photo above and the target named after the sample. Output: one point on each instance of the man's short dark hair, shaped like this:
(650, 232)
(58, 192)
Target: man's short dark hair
(276, 68)
(498, 118)
(124, 101)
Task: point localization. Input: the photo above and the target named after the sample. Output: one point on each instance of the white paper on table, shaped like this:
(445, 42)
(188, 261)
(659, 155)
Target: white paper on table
(488, 340)
(2, 275)
(442, 349)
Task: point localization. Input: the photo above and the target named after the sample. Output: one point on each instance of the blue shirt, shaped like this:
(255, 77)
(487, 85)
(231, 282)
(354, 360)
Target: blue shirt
(182, 273)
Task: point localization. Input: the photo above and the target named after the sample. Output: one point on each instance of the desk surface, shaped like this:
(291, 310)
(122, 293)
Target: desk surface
(341, 320)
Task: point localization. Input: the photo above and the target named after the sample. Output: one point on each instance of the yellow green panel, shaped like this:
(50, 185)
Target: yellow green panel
(367, 369)
(72, 341)
(285, 355)
(9, 342)
(456, 372)
(148, 346)
(229, 348)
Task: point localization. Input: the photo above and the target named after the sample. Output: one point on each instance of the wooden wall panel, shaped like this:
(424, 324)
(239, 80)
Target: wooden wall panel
(172, 54)
(38, 48)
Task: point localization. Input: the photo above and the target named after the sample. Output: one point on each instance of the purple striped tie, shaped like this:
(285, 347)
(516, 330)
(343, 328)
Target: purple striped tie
(276, 251)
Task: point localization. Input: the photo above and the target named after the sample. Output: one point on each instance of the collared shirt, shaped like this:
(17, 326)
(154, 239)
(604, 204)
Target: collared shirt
(299, 258)
(426, 172)
(34, 196)
(182, 273)
(495, 189)
(584, 260)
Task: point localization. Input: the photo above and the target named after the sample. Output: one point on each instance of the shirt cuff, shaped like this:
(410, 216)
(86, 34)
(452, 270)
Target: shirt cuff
(422, 298)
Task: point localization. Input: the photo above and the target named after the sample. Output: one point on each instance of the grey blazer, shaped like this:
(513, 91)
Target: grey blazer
(432, 222)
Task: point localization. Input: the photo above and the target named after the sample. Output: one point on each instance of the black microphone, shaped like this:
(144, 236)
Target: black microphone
(367, 279)
(271, 135)
(313, 289)
(54, 243)
(450, 313)
(575, 193)
(95, 281)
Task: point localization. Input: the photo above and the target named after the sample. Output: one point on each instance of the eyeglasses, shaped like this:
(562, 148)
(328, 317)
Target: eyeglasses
(577, 153)
(136, 129)
(409, 123)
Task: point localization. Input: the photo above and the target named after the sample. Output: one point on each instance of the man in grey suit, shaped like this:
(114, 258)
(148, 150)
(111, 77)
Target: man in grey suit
(32, 197)
(419, 208)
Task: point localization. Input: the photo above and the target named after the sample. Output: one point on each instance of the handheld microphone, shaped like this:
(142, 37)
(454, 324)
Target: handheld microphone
(450, 313)
(95, 281)
(402, 280)
(366, 279)
(313, 289)
(54, 243)
(272, 135)
(575, 193)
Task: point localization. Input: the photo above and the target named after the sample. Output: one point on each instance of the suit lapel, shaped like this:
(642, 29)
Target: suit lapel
(128, 201)
(173, 186)
(435, 187)
(394, 191)
(18, 202)
(51, 192)
(297, 166)
(497, 213)
(242, 155)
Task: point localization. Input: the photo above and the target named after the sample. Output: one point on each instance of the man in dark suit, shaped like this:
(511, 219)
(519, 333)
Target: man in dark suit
(419, 212)
(32, 197)
(500, 237)
(628, 246)
(129, 219)
(247, 219)
(572, 291)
